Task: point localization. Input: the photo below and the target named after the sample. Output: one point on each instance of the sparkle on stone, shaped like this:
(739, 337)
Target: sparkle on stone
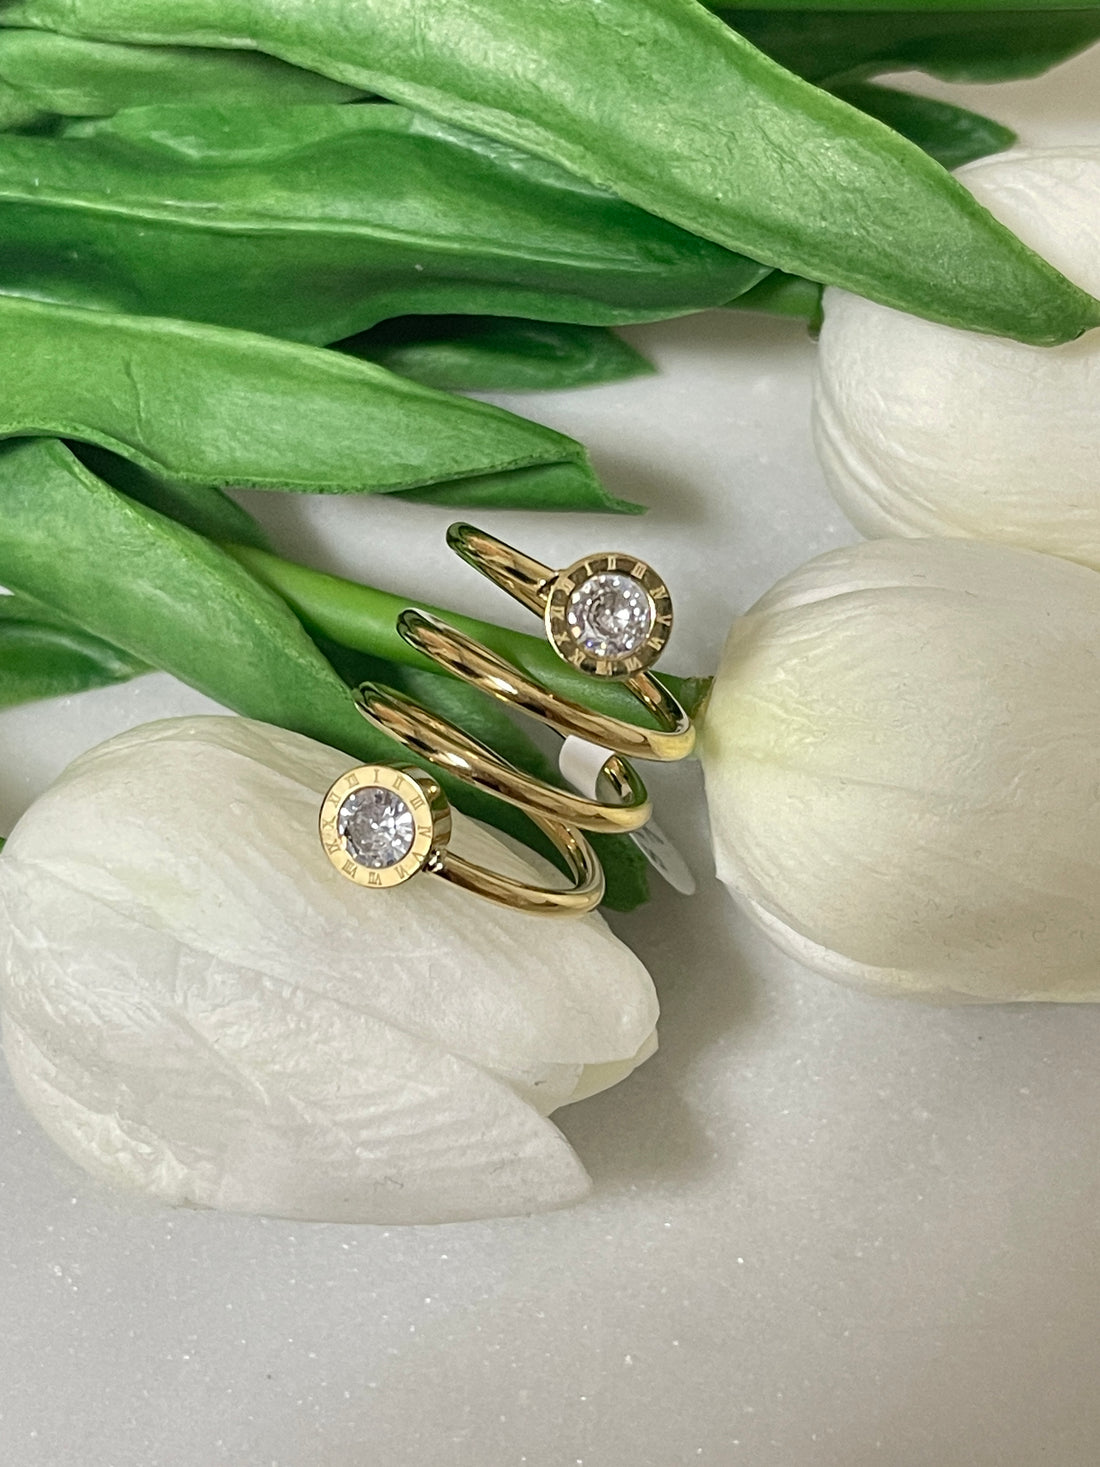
(376, 826)
(611, 614)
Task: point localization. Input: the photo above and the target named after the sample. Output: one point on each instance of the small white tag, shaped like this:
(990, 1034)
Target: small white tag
(581, 764)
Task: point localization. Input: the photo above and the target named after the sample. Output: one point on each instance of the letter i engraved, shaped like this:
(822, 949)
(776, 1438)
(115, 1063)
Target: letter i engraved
(373, 878)
(639, 570)
(349, 868)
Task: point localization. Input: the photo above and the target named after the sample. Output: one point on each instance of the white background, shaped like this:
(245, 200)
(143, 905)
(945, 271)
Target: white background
(827, 1230)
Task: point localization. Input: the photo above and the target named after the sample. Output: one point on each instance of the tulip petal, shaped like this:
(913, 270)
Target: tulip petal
(488, 983)
(225, 1088)
(922, 429)
(198, 1005)
(903, 769)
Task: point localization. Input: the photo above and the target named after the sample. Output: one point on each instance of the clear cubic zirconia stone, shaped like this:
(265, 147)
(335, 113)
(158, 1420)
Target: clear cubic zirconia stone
(611, 615)
(376, 826)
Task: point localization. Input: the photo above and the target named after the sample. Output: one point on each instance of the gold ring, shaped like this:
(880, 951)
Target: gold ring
(442, 743)
(467, 659)
(608, 615)
(382, 825)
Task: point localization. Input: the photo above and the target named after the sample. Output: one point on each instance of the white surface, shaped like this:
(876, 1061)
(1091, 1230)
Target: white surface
(829, 1231)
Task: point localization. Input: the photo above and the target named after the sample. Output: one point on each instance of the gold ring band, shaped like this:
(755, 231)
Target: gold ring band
(428, 736)
(550, 595)
(607, 615)
(468, 659)
(415, 816)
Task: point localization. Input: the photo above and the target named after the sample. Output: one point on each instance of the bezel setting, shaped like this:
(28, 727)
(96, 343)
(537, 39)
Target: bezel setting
(431, 814)
(566, 638)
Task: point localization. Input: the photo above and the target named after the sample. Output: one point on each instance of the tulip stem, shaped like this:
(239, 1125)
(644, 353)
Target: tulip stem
(365, 619)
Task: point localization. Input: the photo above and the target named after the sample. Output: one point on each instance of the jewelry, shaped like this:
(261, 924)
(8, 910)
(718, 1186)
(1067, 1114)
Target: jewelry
(443, 744)
(606, 615)
(382, 825)
(610, 616)
(468, 659)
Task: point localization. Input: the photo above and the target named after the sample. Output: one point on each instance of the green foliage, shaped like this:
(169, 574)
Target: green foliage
(205, 405)
(497, 354)
(45, 655)
(978, 43)
(66, 75)
(202, 508)
(952, 135)
(315, 223)
(168, 598)
(729, 146)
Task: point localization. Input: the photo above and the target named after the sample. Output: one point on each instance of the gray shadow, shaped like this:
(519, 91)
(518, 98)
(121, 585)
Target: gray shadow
(643, 1130)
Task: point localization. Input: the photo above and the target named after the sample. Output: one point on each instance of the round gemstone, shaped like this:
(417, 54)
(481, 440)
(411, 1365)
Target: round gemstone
(376, 826)
(611, 615)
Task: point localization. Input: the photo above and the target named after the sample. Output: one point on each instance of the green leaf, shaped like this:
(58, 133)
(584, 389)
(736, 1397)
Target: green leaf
(44, 655)
(662, 102)
(15, 110)
(985, 43)
(205, 405)
(547, 487)
(77, 78)
(783, 295)
(497, 354)
(314, 223)
(202, 508)
(171, 599)
(951, 135)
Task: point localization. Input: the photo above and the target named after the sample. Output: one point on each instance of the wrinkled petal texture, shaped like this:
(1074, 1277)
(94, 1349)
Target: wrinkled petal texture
(903, 769)
(925, 430)
(197, 1004)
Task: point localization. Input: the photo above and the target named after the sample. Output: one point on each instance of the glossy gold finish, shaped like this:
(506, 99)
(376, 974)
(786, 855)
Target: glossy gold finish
(565, 636)
(537, 901)
(426, 802)
(547, 593)
(557, 598)
(467, 659)
(431, 855)
(527, 580)
(428, 736)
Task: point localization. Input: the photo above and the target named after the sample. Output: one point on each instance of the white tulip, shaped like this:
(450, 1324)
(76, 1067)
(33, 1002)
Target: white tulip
(902, 757)
(925, 430)
(198, 1005)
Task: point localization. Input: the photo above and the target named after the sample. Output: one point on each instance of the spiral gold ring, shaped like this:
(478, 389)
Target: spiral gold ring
(609, 615)
(465, 658)
(442, 743)
(382, 824)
